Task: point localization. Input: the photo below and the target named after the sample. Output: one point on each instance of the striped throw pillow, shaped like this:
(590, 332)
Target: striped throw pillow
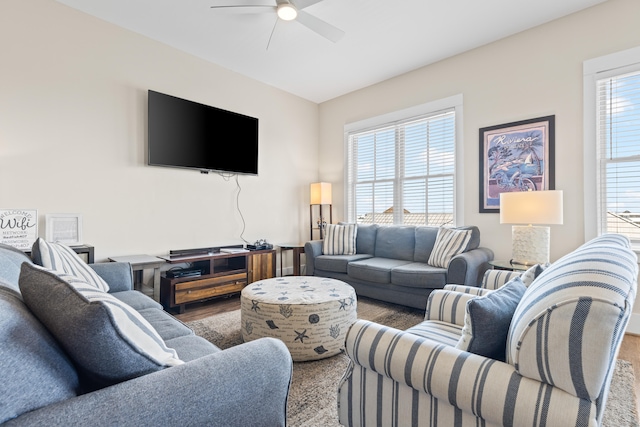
(449, 243)
(63, 259)
(340, 239)
(108, 339)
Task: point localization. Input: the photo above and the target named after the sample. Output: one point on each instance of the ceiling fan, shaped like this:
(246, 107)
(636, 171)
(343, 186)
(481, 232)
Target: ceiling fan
(286, 10)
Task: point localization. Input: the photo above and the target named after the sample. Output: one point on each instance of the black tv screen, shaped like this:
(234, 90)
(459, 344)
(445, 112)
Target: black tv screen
(188, 134)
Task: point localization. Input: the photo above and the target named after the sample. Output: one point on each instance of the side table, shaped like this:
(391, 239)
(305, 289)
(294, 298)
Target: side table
(508, 265)
(139, 263)
(297, 249)
(88, 250)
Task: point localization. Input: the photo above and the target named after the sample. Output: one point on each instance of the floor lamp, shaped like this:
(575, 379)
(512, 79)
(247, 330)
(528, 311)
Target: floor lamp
(321, 196)
(531, 243)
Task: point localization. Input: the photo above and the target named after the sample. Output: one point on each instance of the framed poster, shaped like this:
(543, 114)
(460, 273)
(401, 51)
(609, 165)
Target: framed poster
(19, 228)
(516, 156)
(64, 228)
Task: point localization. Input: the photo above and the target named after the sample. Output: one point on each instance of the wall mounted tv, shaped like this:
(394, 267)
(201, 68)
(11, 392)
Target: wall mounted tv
(187, 134)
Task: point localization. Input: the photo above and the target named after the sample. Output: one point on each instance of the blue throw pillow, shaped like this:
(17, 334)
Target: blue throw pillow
(487, 320)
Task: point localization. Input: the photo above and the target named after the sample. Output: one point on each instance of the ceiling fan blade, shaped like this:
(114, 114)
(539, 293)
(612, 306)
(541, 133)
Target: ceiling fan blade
(301, 4)
(272, 31)
(321, 27)
(241, 3)
(249, 8)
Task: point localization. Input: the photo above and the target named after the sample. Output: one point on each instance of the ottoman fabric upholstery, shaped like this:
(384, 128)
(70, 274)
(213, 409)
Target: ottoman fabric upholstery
(310, 315)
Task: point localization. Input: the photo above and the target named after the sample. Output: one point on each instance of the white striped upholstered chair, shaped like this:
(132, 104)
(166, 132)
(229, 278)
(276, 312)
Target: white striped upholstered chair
(560, 351)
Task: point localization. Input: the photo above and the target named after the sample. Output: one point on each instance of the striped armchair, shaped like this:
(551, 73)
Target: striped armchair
(561, 349)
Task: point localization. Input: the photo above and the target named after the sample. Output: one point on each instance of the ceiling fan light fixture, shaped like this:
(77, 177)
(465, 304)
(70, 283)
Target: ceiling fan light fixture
(287, 12)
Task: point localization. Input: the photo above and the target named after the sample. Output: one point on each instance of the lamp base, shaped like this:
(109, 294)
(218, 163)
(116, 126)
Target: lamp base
(530, 244)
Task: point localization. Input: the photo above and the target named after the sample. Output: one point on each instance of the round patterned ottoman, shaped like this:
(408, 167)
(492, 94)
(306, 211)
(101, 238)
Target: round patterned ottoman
(309, 314)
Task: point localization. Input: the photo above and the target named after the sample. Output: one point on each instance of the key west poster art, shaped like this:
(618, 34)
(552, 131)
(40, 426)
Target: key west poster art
(19, 228)
(516, 156)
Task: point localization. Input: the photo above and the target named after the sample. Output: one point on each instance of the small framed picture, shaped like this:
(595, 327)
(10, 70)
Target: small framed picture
(19, 227)
(64, 228)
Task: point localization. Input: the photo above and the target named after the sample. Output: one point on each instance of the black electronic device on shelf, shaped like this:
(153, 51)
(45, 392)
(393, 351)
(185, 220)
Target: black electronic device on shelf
(259, 245)
(184, 272)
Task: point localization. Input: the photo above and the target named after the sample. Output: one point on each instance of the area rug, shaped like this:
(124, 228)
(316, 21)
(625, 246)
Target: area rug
(312, 398)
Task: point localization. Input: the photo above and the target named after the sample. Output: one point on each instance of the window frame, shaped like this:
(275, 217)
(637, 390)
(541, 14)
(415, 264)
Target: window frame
(596, 69)
(454, 103)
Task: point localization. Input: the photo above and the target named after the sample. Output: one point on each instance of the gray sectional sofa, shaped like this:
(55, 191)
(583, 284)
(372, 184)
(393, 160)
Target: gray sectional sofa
(391, 263)
(42, 385)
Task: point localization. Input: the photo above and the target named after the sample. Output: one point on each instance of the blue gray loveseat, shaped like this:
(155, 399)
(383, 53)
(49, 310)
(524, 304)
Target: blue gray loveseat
(45, 380)
(391, 263)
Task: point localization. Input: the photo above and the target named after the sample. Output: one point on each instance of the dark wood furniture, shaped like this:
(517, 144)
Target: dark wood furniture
(298, 249)
(139, 263)
(222, 274)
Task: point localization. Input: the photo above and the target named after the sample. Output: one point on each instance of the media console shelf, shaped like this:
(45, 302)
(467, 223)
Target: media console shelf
(222, 274)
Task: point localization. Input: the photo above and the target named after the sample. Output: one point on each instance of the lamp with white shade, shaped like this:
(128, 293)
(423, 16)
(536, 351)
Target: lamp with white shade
(536, 209)
(321, 196)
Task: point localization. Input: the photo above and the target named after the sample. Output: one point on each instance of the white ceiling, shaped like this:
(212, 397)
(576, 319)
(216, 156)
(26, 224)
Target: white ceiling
(382, 39)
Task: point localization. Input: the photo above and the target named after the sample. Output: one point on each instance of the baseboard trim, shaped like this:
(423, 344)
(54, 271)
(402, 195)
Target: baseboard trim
(634, 324)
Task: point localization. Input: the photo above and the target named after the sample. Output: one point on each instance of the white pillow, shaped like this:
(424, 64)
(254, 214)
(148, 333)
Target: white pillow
(449, 243)
(530, 275)
(340, 239)
(63, 259)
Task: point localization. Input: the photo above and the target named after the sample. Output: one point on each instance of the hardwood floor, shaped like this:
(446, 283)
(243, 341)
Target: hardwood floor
(629, 350)
(209, 308)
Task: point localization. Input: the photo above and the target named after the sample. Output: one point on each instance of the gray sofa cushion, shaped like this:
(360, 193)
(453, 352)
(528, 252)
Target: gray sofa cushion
(12, 258)
(377, 270)
(397, 242)
(425, 239)
(192, 347)
(108, 341)
(35, 370)
(136, 300)
(166, 325)
(366, 239)
(474, 243)
(337, 263)
(419, 275)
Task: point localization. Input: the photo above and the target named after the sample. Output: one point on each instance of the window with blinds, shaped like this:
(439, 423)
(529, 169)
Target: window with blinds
(403, 172)
(618, 156)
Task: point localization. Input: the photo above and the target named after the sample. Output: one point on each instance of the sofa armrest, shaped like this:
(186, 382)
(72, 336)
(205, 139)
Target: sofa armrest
(312, 249)
(468, 267)
(447, 306)
(472, 290)
(246, 385)
(118, 275)
(475, 384)
(494, 279)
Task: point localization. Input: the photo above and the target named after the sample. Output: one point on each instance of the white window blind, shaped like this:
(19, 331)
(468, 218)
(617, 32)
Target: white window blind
(618, 154)
(403, 172)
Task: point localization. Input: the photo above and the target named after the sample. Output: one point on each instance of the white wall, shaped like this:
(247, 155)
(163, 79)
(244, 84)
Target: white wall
(532, 74)
(73, 138)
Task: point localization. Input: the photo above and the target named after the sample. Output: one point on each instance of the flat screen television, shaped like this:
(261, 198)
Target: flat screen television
(187, 134)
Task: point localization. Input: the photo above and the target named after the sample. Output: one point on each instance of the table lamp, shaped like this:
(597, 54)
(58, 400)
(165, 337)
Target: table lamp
(531, 243)
(320, 195)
